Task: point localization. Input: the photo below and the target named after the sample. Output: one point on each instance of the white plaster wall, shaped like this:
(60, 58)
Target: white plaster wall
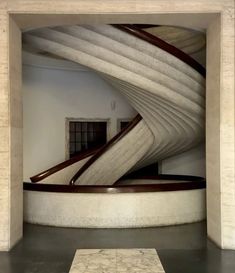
(191, 162)
(54, 90)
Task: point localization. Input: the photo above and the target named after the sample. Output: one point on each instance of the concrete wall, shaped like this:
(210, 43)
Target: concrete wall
(54, 90)
(220, 130)
(11, 156)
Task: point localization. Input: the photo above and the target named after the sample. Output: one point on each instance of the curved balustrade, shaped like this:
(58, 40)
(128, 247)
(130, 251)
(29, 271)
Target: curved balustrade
(179, 183)
(113, 206)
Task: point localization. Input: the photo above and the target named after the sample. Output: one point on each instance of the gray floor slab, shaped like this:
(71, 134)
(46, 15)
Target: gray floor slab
(182, 249)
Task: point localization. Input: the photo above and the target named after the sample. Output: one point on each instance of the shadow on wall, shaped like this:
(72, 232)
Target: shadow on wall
(191, 162)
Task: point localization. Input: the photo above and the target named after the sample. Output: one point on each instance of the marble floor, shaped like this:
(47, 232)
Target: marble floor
(181, 249)
(116, 261)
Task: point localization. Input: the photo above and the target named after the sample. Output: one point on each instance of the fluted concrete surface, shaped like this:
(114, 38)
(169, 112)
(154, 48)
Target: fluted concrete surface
(168, 93)
(186, 40)
(63, 176)
(119, 158)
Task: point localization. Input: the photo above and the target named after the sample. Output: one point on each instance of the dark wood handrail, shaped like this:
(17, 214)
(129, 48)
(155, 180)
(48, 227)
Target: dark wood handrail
(107, 146)
(143, 26)
(154, 40)
(161, 177)
(60, 166)
(193, 182)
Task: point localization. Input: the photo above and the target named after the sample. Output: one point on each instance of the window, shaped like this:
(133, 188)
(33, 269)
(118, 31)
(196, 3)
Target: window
(86, 135)
(122, 123)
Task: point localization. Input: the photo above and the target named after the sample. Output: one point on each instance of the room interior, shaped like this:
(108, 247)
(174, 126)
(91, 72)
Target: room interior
(214, 162)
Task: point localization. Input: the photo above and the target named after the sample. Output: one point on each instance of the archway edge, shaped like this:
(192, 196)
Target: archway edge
(188, 20)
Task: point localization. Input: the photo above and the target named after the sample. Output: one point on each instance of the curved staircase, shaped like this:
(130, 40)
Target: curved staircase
(164, 84)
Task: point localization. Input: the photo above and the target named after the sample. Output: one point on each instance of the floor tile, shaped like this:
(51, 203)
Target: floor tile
(116, 261)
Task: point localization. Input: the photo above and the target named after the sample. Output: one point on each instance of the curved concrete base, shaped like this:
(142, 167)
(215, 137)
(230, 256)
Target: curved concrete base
(120, 210)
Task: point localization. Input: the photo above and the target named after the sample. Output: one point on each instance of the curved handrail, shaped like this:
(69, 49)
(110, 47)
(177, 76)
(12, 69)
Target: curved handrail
(103, 149)
(154, 40)
(144, 26)
(193, 182)
(60, 166)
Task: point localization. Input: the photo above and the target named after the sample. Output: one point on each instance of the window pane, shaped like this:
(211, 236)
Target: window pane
(78, 126)
(103, 126)
(124, 124)
(90, 126)
(86, 135)
(72, 136)
(78, 137)
(90, 136)
(72, 126)
(84, 126)
(78, 147)
(72, 147)
(83, 146)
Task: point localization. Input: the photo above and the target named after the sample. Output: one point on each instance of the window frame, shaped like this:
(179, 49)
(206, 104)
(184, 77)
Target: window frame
(69, 119)
(120, 120)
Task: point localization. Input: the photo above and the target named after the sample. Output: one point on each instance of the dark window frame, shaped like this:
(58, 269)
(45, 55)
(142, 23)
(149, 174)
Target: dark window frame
(83, 141)
(120, 121)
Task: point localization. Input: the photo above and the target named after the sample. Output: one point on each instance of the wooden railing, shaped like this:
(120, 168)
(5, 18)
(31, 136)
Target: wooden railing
(179, 183)
(144, 26)
(143, 35)
(106, 147)
(60, 166)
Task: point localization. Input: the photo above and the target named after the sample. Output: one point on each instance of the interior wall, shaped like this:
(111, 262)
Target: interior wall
(54, 90)
(191, 162)
(213, 121)
(4, 140)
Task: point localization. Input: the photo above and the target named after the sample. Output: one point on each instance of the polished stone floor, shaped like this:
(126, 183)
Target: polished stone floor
(133, 260)
(182, 249)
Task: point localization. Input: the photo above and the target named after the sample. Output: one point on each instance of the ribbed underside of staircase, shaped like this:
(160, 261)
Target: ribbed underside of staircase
(168, 94)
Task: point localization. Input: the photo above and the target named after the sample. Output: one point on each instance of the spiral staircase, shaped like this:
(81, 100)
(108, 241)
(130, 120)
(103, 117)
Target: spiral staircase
(158, 78)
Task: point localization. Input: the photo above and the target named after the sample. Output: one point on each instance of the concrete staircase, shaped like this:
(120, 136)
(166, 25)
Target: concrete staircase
(168, 93)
